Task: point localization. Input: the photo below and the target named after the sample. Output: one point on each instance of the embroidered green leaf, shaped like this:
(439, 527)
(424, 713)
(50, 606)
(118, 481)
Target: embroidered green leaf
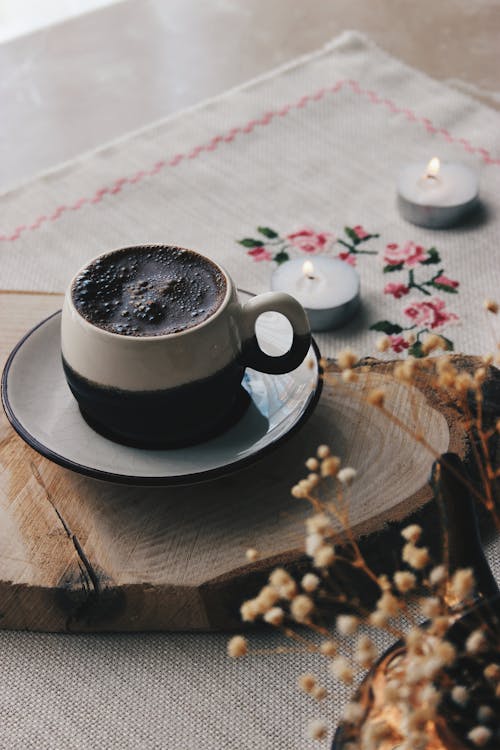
(433, 257)
(249, 242)
(269, 233)
(352, 235)
(281, 257)
(416, 350)
(393, 267)
(443, 287)
(386, 327)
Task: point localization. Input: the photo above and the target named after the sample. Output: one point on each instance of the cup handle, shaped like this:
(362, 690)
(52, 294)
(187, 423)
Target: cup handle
(252, 354)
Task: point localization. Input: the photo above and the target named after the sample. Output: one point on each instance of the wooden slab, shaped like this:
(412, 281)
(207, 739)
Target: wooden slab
(77, 554)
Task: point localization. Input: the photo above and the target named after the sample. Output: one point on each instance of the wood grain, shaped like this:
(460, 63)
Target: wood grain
(77, 554)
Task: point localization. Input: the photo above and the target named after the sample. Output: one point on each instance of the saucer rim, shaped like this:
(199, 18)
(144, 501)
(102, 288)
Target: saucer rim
(157, 481)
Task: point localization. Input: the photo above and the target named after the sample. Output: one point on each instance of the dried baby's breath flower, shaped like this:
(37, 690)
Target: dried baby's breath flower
(412, 533)
(313, 480)
(237, 647)
(353, 712)
(485, 714)
(439, 625)
(349, 376)
(479, 736)
(298, 492)
(310, 582)
(319, 523)
(319, 692)
(279, 577)
(341, 669)
(463, 382)
(347, 475)
(317, 729)
(330, 466)
(249, 611)
(431, 606)
(460, 695)
(431, 342)
(324, 556)
(430, 695)
(414, 638)
(437, 575)
(346, 359)
(383, 343)
(323, 451)
(492, 672)
(384, 582)
(267, 597)
(388, 604)
(274, 616)
(480, 375)
(491, 306)
(252, 554)
(307, 682)
(488, 359)
(312, 464)
(313, 543)
(301, 608)
(376, 397)
(347, 624)
(328, 648)
(404, 581)
(365, 652)
(416, 557)
(462, 583)
(446, 652)
(476, 642)
(378, 618)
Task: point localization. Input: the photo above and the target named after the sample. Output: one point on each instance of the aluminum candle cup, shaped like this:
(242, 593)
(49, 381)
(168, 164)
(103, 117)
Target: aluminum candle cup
(436, 195)
(327, 288)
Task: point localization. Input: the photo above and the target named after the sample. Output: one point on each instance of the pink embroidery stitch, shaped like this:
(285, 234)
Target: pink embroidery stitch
(228, 137)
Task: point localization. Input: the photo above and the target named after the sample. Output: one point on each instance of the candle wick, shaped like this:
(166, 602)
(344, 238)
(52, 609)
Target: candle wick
(309, 276)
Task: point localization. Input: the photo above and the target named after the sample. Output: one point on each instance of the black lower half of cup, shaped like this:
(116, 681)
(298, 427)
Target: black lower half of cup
(173, 418)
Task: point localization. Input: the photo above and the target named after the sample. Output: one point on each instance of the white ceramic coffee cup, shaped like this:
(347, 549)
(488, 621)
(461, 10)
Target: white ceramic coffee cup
(176, 388)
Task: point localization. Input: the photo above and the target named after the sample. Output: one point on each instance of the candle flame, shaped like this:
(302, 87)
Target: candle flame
(433, 168)
(308, 269)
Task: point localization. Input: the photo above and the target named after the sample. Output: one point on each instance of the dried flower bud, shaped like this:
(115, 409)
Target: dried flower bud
(412, 533)
(378, 618)
(437, 575)
(480, 375)
(274, 616)
(460, 695)
(237, 646)
(492, 672)
(319, 523)
(346, 359)
(298, 492)
(313, 543)
(301, 608)
(317, 729)
(376, 397)
(439, 625)
(307, 682)
(431, 606)
(318, 692)
(462, 583)
(384, 582)
(312, 464)
(252, 554)
(330, 466)
(383, 343)
(328, 648)
(479, 736)
(404, 581)
(324, 556)
(365, 653)
(323, 451)
(341, 669)
(349, 376)
(347, 624)
(279, 577)
(347, 475)
(417, 557)
(313, 480)
(388, 604)
(268, 596)
(249, 610)
(485, 714)
(353, 713)
(491, 306)
(310, 582)
(432, 342)
(476, 642)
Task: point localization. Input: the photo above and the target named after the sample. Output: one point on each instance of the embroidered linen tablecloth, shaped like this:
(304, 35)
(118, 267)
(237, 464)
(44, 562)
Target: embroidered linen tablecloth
(301, 161)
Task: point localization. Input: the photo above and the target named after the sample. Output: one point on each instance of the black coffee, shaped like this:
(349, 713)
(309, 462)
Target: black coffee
(149, 292)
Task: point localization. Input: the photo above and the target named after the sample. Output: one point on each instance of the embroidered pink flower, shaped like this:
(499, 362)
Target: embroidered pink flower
(397, 290)
(260, 253)
(347, 258)
(445, 281)
(431, 313)
(410, 254)
(310, 241)
(360, 232)
(398, 343)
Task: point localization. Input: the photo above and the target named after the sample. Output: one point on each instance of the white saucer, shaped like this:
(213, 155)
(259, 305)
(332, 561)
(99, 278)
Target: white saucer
(41, 408)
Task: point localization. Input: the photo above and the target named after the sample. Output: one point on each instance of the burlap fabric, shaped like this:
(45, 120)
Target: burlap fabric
(314, 145)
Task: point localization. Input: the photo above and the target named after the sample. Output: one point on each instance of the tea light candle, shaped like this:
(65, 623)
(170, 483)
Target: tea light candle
(327, 288)
(437, 195)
